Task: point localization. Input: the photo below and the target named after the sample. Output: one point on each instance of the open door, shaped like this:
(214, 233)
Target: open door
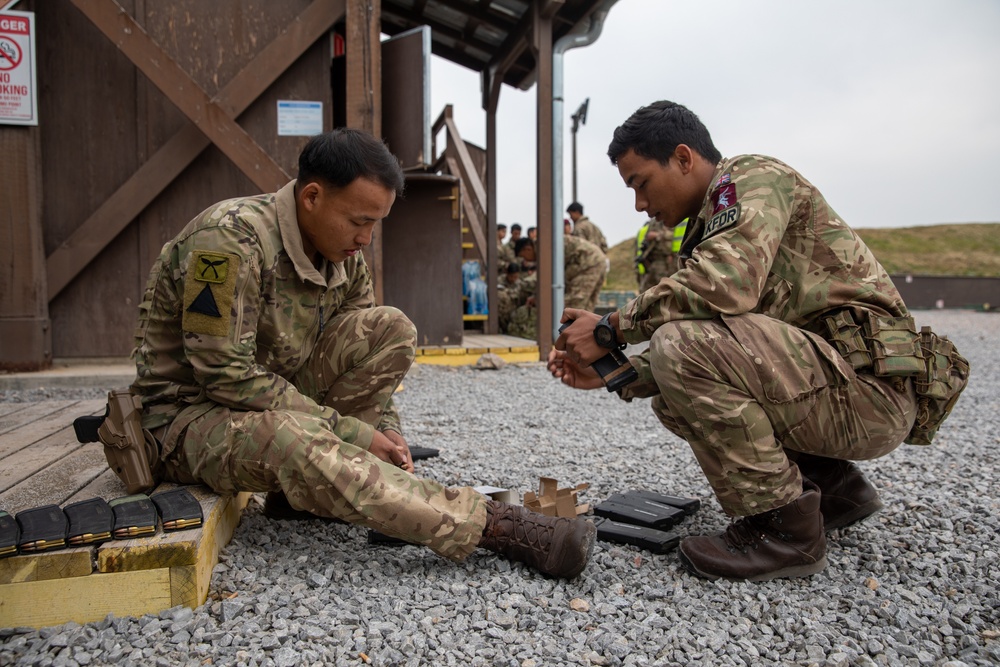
(406, 97)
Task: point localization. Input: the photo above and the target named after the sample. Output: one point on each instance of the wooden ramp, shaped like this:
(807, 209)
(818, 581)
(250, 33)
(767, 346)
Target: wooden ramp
(41, 463)
(509, 348)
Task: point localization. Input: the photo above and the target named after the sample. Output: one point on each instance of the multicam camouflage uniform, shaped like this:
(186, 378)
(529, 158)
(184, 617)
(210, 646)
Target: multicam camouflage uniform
(655, 258)
(505, 256)
(261, 372)
(738, 365)
(588, 231)
(585, 269)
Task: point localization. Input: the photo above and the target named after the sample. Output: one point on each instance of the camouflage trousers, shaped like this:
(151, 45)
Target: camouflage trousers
(744, 389)
(584, 287)
(356, 367)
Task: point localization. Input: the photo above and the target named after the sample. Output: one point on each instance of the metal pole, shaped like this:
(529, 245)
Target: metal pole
(574, 164)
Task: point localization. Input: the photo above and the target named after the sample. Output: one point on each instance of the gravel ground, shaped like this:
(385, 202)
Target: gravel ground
(914, 585)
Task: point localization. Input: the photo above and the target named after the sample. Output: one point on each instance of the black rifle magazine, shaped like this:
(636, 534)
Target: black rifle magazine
(135, 516)
(179, 510)
(650, 539)
(671, 515)
(10, 535)
(375, 537)
(688, 505)
(418, 453)
(90, 522)
(42, 529)
(651, 517)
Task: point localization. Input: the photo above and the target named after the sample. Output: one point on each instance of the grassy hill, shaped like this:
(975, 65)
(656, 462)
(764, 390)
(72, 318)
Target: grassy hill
(971, 249)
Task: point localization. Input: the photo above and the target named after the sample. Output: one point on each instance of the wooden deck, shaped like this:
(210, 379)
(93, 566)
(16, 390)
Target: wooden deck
(41, 463)
(509, 348)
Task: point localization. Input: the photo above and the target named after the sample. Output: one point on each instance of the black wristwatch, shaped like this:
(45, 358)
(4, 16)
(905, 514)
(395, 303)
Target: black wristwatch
(605, 335)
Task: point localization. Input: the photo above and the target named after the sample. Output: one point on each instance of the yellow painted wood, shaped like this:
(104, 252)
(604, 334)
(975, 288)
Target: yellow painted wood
(61, 564)
(475, 318)
(430, 351)
(38, 604)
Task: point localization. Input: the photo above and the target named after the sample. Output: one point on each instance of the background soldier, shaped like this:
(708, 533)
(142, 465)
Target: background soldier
(585, 228)
(754, 356)
(655, 257)
(264, 365)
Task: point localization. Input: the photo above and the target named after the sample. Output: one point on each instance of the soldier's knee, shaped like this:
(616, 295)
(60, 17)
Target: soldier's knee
(397, 324)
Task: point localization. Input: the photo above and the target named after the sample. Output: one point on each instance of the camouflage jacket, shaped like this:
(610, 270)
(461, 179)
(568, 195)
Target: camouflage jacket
(580, 254)
(587, 230)
(233, 309)
(655, 255)
(765, 241)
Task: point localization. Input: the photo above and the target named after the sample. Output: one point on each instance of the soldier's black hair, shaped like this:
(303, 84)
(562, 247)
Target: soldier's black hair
(513, 267)
(521, 242)
(515, 226)
(340, 157)
(502, 226)
(575, 207)
(654, 131)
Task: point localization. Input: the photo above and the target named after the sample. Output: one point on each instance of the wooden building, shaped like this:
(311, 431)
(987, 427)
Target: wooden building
(151, 110)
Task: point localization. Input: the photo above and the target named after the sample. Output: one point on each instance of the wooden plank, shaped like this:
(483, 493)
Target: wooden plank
(11, 408)
(31, 412)
(57, 423)
(40, 604)
(58, 480)
(170, 549)
(189, 586)
(78, 562)
(107, 485)
(29, 460)
(118, 211)
(190, 98)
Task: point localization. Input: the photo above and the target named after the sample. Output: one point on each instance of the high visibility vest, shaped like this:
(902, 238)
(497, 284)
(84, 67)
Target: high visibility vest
(679, 235)
(639, 238)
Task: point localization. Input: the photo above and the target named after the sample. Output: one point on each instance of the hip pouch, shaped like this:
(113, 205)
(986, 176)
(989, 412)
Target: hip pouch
(938, 389)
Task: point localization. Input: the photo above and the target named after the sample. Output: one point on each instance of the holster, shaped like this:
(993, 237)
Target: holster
(132, 451)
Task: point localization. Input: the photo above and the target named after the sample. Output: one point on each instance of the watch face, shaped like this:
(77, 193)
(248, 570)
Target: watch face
(604, 335)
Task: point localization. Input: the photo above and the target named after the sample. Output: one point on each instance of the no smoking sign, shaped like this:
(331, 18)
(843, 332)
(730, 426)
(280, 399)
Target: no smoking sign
(18, 89)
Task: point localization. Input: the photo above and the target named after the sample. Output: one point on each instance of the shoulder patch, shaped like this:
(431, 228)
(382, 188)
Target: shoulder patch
(209, 288)
(723, 180)
(722, 220)
(723, 197)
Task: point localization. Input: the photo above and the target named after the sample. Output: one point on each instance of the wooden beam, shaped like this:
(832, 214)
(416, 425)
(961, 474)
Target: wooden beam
(364, 97)
(492, 84)
(170, 160)
(542, 43)
(190, 99)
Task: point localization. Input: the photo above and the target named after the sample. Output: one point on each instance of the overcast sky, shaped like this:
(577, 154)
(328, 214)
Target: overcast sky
(890, 107)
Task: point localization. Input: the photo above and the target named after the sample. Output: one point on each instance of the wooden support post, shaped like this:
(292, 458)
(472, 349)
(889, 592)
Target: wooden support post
(541, 37)
(25, 331)
(492, 80)
(364, 96)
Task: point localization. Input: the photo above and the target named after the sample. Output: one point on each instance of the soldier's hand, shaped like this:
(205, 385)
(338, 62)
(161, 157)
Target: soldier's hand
(392, 448)
(578, 338)
(570, 373)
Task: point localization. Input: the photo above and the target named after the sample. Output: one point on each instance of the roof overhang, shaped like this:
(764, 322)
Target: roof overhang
(485, 34)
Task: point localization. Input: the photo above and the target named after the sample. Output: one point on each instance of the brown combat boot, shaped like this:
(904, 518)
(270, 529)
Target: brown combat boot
(784, 542)
(558, 547)
(847, 496)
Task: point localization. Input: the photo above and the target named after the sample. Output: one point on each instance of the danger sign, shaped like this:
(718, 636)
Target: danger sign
(18, 91)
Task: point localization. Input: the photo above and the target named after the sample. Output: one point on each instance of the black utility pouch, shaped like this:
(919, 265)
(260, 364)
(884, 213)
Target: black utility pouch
(687, 505)
(10, 535)
(42, 529)
(418, 453)
(135, 516)
(650, 517)
(90, 521)
(669, 515)
(178, 509)
(650, 539)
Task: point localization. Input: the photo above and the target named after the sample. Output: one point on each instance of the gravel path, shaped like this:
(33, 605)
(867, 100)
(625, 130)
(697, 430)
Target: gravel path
(914, 585)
